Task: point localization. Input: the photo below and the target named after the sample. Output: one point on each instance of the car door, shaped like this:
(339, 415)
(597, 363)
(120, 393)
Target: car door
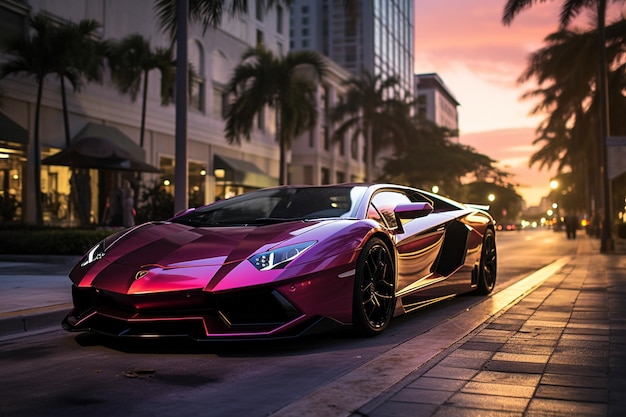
(418, 241)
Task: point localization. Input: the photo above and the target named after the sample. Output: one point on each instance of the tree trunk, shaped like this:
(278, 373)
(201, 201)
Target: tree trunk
(369, 154)
(37, 145)
(143, 108)
(282, 175)
(66, 121)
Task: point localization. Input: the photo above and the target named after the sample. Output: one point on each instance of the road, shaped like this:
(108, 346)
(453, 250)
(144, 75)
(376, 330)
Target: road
(63, 374)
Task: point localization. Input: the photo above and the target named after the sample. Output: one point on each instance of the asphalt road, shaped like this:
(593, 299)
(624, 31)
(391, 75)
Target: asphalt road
(64, 374)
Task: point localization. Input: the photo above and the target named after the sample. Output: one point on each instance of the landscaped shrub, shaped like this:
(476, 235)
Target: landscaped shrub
(49, 241)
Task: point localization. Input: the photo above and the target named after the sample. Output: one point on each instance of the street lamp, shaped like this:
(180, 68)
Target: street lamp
(554, 184)
(491, 198)
(606, 244)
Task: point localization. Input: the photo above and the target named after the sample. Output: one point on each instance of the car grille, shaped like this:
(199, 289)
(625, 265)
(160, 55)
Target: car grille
(192, 313)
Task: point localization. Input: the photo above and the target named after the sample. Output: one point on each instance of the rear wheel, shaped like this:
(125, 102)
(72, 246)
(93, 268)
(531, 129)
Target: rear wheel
(374, 289)
(488, 264)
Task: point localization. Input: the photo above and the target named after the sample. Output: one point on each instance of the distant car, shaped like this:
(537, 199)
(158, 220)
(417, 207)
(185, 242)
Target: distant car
(507, 227)
(284, 261)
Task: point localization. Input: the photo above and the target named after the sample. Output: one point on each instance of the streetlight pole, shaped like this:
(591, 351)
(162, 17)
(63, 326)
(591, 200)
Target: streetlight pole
(607, 244)
(180, 166)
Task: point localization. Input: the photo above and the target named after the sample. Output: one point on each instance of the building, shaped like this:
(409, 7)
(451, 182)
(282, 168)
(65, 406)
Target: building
(216, 169)
(316, 158)
(436, 102)
(378, 39)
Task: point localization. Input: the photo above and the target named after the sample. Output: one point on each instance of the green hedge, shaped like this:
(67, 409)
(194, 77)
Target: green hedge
(58, 241)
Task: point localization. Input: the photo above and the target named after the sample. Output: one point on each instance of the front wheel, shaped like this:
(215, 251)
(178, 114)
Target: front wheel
(488, 264)
(374, 289)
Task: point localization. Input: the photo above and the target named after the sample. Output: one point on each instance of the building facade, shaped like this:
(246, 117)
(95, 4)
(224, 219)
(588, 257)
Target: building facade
(376, 36)
(436, 102)
(216, 169)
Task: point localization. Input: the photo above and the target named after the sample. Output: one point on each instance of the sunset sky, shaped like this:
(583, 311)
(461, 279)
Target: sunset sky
(479, 59)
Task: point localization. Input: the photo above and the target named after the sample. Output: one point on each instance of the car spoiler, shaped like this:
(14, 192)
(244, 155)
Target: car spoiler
(483, 207)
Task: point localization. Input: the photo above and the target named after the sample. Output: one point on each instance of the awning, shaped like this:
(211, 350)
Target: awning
(239, 172)
(102, 147)
(10, 131)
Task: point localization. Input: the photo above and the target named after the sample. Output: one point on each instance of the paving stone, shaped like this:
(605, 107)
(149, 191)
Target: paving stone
(451, 373)
(508, 390)
(547, 407)
(484, 346)
(422, 396)
(533, 349)
(446, 411)
(587, 395)
(520, 357)
(464, 362)
(488, 402)
(584, 371)
(574, 381)
(399, 409)
(516, 367)
(509, 378)
(441, 384)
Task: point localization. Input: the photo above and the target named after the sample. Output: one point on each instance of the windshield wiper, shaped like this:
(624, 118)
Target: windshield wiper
(275, 220)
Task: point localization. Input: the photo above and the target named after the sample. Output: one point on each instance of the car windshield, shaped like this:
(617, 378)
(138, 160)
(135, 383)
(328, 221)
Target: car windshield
(276, 205)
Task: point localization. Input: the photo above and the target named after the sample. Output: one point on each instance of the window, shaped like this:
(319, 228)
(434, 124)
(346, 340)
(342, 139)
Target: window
(196, 82)
(14, 23)
(279, 19)
(259, 37)
(325, 176)
(220, 102)
(259, 10)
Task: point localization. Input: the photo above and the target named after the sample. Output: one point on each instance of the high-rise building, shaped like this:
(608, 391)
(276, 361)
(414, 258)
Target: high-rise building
(436, 102)
(376, 36)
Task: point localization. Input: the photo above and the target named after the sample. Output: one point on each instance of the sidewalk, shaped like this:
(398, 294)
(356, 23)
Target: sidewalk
(560, 351)
(35, 293)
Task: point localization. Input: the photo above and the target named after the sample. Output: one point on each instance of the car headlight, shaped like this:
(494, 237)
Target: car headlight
(95, 253)
(279, 257)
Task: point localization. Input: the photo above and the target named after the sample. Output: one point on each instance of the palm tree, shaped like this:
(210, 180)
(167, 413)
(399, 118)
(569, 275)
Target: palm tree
(78, 55)
(369, 104)
(69, 51)
(131, 61)
(569, 10)
(263, 79)
(34, 56)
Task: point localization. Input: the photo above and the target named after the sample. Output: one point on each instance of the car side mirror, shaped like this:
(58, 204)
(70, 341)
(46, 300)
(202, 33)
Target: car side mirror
(412, 210)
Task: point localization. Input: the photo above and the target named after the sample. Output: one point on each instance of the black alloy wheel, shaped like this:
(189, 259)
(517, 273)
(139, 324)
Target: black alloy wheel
(488, 264)
(374, 289)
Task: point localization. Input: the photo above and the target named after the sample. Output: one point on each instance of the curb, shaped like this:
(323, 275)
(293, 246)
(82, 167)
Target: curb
(21, 322)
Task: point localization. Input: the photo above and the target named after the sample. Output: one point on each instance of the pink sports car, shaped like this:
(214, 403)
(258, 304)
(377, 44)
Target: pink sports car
(283, 261)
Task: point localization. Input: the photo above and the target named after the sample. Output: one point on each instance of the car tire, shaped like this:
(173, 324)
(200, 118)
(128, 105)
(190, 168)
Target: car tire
(374, 289)
(488, 267)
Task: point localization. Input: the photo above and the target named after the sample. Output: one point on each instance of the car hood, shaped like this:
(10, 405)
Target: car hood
(158, 257)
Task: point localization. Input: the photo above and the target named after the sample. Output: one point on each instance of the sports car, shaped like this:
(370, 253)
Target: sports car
(284, 261)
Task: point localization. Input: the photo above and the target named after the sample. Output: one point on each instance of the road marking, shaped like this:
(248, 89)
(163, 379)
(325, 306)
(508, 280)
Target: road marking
(351, 391)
